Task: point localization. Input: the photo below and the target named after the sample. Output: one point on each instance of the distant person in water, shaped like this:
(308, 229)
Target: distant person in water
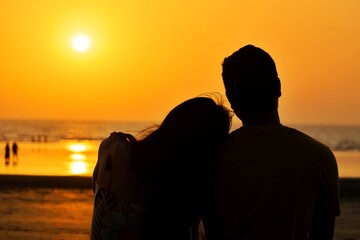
(7, 154)
(15, 149)
(153, 188)
(269, 181)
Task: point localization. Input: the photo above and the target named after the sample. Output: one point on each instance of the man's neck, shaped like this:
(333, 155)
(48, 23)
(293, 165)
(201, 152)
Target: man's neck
(263, 118)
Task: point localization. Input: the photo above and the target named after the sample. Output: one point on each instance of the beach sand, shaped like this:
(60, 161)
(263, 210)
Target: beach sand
(40, 207)
(43, 213)
(54, 208)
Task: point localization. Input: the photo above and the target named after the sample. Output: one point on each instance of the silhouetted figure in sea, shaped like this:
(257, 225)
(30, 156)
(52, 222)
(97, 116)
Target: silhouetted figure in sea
(15, 150)
(7, 154)
(269, 181)
(153, 188)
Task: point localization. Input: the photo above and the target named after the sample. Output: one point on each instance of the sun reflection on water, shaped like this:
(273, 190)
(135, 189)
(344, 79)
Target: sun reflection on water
(77, 147)
(78, 157)
(78, 167)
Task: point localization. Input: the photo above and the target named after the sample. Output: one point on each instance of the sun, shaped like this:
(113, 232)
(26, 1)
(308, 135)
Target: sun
(81, 43)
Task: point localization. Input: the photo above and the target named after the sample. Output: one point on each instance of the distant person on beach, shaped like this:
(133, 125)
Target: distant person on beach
(15, 149)
(153, 188)
(269, 181)
(7, 154)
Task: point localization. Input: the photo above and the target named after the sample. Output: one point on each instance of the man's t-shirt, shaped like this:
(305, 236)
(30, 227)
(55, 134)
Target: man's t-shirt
(268, 181)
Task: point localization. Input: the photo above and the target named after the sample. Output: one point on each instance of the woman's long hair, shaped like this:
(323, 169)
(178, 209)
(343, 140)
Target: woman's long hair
(196, 125)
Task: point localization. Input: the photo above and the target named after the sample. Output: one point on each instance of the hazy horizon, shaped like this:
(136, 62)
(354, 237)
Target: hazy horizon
(235, 121)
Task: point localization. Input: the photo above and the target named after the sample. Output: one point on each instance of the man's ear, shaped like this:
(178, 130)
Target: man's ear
(277, 87)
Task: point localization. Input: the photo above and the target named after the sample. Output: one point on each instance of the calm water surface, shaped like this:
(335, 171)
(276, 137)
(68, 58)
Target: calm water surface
(79, 158)
(70, 148)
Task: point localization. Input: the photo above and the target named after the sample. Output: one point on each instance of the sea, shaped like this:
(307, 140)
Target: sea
(57, 148)
(70, 147)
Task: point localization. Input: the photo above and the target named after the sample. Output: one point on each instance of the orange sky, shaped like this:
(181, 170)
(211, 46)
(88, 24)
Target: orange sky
(148, 56)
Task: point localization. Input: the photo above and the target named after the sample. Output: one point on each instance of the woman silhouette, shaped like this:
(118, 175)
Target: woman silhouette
(153, 188)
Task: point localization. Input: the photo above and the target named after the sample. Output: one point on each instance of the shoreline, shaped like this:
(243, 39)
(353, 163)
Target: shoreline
(37, 181)
(349, 187)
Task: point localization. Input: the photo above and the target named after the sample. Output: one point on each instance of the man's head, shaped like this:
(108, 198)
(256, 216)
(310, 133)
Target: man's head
(251, 81)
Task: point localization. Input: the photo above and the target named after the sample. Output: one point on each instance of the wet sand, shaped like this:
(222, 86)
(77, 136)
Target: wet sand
(41, 207)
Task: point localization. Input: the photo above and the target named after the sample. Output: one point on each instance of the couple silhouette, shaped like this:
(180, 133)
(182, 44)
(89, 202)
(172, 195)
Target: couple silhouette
(14, 152)
(192, 179)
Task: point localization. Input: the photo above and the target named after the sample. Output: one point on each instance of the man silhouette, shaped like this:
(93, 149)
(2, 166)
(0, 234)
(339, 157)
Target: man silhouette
(269, 181)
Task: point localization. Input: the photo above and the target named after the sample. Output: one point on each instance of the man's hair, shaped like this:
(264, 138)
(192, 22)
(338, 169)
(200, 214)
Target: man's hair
(251, 80)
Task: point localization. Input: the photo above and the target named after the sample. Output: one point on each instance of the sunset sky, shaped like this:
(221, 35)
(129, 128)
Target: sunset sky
(147, 56)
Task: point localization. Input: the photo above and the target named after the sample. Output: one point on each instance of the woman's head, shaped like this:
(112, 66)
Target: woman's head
(197, 120)
(189, 134)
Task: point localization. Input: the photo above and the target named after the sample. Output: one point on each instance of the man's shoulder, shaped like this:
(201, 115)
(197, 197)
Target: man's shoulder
(306, 139)
(278, 133)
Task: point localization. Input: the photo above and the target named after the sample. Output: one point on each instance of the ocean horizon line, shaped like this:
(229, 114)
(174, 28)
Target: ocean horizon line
(157, 121)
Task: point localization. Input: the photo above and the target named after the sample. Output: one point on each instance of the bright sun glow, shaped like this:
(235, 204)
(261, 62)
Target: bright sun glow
(77, 156)
(77, 147)
(81, 43)
(78, 167)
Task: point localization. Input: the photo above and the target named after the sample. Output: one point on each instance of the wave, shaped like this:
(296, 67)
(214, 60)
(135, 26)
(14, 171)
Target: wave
(53, 131)
(347, 145)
